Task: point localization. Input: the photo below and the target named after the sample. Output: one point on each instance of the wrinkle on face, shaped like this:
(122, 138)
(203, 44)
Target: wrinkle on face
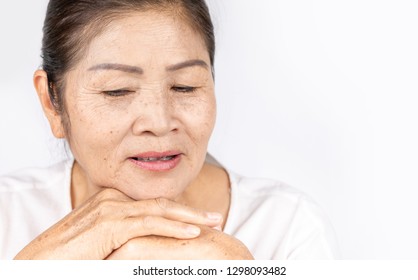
(107, 130)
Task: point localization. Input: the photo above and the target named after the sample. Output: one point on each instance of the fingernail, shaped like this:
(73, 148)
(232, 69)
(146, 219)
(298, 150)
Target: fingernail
(194, 231)
(218, 228)
(214, 216)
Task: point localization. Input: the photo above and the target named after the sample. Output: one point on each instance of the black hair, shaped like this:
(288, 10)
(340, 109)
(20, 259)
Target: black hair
(70, 25)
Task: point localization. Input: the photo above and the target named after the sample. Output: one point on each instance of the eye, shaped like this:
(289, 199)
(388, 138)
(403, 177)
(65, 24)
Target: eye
(184, 89)
(117, 92)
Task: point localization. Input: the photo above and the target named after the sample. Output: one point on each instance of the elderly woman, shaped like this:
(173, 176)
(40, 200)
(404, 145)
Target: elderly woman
(129, 85)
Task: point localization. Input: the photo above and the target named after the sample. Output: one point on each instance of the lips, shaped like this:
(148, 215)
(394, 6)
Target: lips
(157, 161)
(152, 159)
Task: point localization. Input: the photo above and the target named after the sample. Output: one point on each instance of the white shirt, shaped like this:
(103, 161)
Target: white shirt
(273, 220)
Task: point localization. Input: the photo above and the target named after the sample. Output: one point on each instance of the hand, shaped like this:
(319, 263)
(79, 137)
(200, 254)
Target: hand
(211, 244)
(108, 220)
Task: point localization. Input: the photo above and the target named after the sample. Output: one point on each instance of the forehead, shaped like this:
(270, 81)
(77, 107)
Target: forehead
(145, 37)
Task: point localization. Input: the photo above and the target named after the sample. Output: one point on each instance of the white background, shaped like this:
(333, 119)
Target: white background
(321, 94)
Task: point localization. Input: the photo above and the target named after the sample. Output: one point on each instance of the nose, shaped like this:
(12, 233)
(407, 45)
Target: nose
(155, 116)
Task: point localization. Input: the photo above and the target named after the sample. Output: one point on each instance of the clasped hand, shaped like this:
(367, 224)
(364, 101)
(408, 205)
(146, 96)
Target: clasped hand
(110, 225)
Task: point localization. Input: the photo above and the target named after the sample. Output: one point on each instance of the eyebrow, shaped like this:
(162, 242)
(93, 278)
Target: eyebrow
(188, 63)
(139, 70)
(118, 67)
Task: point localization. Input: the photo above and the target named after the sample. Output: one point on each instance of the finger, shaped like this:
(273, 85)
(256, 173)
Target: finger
(152, 248)
(159, 207)
(173, 211)
(142, 248)
(153, 225)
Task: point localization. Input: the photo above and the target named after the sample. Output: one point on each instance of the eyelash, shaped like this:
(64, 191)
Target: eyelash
(184, 89)
(123, 92)
(118, 92)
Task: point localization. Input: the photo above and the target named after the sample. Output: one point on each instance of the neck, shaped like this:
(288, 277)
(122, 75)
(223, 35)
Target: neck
(80, 189)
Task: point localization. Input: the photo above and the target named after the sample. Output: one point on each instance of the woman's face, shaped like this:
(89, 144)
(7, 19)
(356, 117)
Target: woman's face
(141, 106)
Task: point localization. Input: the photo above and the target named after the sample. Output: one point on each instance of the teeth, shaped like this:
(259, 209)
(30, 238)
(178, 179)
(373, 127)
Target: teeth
(150, 159)
(167, 158)
(156, 159)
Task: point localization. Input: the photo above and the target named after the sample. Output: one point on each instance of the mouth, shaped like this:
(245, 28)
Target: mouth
(153, 159)
(156, 161)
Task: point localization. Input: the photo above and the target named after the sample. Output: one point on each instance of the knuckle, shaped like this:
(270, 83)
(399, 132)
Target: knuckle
(105, 207)
(148, 223)
(106, 194)
(163, 203)
(106, 201)
(199, 213)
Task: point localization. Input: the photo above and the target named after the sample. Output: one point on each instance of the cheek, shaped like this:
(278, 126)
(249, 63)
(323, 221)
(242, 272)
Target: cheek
(200, 115)
(95, 132)
(95, 138)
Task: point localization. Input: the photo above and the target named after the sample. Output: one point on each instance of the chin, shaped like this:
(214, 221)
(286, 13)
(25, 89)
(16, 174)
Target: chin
(151, 189)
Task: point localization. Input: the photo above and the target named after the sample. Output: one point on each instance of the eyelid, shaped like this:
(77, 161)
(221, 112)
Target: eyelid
(117, 92)
(183, 88)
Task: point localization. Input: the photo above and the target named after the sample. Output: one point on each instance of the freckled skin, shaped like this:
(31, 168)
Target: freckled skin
(107, 130)
(121, 211)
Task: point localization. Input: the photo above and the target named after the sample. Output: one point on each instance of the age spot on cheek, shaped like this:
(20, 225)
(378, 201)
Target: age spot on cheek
(110, 165)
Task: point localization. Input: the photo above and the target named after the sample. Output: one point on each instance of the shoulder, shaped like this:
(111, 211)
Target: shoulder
(31, 189)
(29, 179)
(35, 188)
(267, 191)
(31, 200)
(289, 222)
